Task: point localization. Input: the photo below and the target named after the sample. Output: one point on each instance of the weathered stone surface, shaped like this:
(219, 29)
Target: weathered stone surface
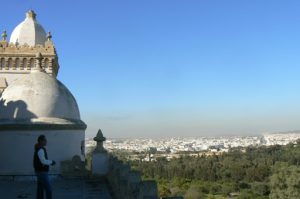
(99, 139)
(38, 95)
(100, 163)
(127, 184)
(18, 57)
(73, 168)
(149, 189)
(134, 177)
(3, 84)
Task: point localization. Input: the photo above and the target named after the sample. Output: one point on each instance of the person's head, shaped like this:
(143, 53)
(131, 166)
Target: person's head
(42, 140)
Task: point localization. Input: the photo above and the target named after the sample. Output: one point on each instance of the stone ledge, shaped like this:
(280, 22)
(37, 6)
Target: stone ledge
(26, 178)
(42, 124)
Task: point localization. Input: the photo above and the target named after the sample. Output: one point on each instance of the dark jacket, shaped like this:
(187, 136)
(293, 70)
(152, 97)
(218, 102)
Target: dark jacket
(37, 164)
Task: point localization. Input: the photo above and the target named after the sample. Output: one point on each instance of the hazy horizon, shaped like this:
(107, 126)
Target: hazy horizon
(207, 135)
(175, 68)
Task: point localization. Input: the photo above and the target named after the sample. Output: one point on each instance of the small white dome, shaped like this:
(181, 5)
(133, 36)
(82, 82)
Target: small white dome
(37, 95)
(29, 31)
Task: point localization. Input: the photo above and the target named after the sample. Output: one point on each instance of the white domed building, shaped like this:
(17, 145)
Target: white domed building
(29, 31)
(34, 102)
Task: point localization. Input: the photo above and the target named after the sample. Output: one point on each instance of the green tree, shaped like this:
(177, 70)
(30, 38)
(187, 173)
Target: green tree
(260, 189)
(164, 191)
(194, 193)
(285, 182)
(246, 194)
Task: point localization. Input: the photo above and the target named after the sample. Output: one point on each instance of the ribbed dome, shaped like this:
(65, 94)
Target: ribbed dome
(29, 31)
(37, 95)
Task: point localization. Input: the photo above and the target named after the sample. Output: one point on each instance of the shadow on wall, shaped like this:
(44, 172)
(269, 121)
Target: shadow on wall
(15, 110)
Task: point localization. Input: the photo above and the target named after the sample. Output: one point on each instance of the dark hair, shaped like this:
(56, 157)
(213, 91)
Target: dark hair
(41, 138)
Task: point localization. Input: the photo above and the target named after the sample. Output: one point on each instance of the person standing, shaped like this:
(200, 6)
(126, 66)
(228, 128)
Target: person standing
(41, 166)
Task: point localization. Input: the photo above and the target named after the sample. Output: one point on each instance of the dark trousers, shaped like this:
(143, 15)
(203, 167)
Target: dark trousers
(43, 185)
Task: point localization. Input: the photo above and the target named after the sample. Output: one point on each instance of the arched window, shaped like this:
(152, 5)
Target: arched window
(31, 65)
(46, 63)
(17, 63)
(24, 64)
(10, 63)
(2, 63)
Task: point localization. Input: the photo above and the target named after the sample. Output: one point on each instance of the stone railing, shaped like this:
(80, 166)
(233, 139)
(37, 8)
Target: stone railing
(126, 183)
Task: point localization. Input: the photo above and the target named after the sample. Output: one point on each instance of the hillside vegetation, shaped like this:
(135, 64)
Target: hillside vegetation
(263, 172)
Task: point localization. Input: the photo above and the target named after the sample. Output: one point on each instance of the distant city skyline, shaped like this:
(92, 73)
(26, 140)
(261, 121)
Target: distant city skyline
(176, 68)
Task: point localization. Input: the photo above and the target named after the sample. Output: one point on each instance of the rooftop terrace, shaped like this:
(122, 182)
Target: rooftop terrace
(63, 188)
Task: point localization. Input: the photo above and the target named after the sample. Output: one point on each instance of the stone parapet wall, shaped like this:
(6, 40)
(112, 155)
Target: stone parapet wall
(126, 183)
(21, 58)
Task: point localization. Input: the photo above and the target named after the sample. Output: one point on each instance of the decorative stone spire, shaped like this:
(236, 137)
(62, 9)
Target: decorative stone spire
(100, 139)
(31, 14)
(4, 35)
(49, 36)
(100, 157)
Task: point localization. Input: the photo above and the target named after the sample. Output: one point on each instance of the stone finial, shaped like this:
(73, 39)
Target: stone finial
(4, 35)
(31, 14)
(49, 36)
(99, 139)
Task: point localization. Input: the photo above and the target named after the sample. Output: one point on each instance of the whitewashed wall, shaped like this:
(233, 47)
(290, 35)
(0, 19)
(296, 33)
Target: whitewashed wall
(17, 148)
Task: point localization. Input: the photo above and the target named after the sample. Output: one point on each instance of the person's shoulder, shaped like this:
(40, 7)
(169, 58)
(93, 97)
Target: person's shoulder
(38, 149)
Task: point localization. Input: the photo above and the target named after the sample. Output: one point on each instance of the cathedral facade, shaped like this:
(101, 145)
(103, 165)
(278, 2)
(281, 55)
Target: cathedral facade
(34, 102)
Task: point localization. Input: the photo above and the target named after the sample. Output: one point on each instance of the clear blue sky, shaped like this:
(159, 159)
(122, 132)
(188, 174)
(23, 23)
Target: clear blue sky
(156, 68)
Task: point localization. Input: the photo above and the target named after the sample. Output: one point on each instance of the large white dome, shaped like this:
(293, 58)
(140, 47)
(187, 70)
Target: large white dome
(29, 31)
(37, 95)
